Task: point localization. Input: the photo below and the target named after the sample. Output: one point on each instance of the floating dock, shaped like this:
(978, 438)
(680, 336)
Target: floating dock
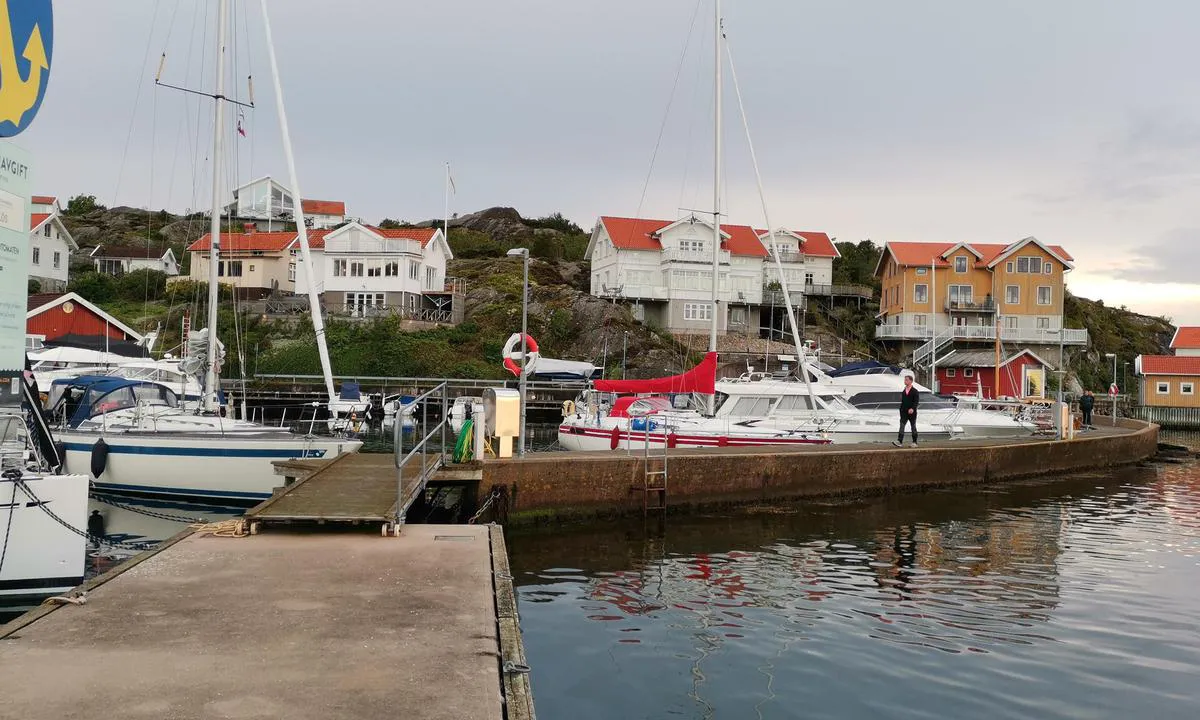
(282, 625)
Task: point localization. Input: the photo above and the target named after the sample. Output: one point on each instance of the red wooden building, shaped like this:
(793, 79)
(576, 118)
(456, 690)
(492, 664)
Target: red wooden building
(67, 317)
(973, 372)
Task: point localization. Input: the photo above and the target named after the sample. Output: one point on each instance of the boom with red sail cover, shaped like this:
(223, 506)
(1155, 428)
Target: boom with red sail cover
(700, 379)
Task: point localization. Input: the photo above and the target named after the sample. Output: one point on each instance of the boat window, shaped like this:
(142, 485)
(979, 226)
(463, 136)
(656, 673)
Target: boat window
(793, 403)
(835, 402)
(118, 399)
(719, 400)
(753, 406)
(154, 395)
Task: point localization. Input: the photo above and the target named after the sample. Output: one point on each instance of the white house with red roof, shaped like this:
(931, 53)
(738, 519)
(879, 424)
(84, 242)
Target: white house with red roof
(365, 270)
(269, 204)
(50, 244)
(664, 269)
(1186, 342)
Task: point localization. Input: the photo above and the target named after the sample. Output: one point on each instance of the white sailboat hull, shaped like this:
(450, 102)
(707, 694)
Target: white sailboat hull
(40, 557)
(194, 465)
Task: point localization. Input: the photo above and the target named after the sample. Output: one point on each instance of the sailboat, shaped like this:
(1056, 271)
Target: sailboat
(751, 410)
(198, 456)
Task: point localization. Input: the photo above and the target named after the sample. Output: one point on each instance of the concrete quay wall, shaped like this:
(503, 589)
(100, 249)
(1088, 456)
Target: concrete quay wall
(552, 486)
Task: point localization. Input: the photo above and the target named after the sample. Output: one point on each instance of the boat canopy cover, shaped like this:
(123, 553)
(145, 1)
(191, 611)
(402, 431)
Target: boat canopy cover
(700, 379)
(565, 370)
(859, 368)
(86, 396)
(624, 406)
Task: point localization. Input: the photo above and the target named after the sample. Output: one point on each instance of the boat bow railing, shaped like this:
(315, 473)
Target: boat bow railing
(416, 465)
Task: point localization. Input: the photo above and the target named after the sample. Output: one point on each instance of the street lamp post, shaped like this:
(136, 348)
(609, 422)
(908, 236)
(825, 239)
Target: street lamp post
(624, 347)
(523, 253)
(1114, 386)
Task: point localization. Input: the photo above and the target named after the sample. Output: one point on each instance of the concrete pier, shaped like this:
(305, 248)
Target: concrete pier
(278, 625)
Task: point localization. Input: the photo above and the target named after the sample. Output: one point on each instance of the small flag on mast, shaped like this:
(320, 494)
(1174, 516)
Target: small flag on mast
(450, 179)
(240, 127)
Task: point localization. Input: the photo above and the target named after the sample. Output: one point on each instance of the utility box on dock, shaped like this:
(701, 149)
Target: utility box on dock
(502, 411)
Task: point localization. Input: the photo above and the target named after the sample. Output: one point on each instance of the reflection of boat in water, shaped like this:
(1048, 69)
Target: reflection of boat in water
(146, 522)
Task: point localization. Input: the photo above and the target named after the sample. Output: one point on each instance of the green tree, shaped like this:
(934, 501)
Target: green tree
(144, 285)
(82, 205)
(35, 286)
(93, 286)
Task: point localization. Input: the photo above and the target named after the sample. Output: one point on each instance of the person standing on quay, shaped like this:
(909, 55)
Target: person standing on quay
(1086, 403)
(909, 399)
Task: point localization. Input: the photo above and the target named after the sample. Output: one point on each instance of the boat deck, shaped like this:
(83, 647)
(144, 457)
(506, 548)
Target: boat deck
(281, 625)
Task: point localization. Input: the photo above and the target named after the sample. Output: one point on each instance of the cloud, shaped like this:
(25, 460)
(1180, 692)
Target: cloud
(1170, 259)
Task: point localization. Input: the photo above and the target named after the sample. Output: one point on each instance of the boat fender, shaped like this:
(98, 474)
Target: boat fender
(616, 438)
(99, 458)
(568, 408)
(672, 441)
(510, 348)
(723, 441)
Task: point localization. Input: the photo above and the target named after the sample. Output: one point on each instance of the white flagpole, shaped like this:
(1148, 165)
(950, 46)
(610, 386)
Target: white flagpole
(446, 216)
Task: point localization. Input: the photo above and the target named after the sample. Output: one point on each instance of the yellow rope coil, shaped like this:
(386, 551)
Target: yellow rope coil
(224, 528)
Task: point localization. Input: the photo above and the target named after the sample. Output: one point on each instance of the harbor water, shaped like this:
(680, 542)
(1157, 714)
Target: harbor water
(1058, 598)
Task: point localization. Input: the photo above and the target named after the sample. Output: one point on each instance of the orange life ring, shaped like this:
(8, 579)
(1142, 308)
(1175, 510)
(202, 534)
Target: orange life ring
(510, 347)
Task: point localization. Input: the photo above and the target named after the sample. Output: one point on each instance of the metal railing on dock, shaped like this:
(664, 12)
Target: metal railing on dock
(404, 500)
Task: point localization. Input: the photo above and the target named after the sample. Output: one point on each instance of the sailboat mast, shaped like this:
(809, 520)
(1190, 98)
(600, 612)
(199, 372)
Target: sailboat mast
(716, 264)
(314, 302)
(214, 255)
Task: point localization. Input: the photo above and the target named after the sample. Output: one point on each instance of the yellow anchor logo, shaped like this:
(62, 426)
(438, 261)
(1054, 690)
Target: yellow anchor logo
(21, 96)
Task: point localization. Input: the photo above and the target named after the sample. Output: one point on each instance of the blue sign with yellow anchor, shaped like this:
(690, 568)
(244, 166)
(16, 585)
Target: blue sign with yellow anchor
(26, 46)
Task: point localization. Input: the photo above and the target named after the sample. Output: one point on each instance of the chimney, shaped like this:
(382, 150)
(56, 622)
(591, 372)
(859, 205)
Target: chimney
(249, 228)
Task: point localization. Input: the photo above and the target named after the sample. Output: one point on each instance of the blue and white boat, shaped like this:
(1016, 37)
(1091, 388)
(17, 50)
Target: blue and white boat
(131, 437)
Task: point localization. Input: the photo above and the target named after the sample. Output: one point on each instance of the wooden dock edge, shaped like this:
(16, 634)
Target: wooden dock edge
(22, 621)
(514, 671)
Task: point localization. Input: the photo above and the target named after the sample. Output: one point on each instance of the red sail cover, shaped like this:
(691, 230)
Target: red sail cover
(700, 379)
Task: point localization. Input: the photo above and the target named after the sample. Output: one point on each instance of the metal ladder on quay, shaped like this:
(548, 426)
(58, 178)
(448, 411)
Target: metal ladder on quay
(654, 474)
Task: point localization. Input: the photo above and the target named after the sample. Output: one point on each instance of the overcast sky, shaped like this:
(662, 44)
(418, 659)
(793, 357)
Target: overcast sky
(1077, 121)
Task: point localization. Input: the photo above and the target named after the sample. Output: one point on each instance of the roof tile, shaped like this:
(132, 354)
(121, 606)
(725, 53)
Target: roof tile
(1170, 365)
(926, 253)
(1187, 338)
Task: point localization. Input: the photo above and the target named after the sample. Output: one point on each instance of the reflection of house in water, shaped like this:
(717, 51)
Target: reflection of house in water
(1006, 559)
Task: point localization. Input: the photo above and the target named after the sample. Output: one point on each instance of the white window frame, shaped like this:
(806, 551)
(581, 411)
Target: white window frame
(414, 270)
(1162, 387)
(920, 293)
(357, 269)
(960, 261)
(951, 372)
(1187, 388)
(921, 320)
(1049, 295)
(1007, 295)
(340, 268)
(391, 268)
(697, 311)
(1043, 322)
(968, 372)
(1047, 268)
(57, 259)
(1011, 322)
(954, 293)
(37, 255)
(1010, 267)
(922, 270)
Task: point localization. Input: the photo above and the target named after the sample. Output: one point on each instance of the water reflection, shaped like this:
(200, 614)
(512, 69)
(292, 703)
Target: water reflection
(1062, 592)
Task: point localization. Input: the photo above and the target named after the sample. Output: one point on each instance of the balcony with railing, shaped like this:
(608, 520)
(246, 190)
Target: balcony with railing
(1038, 336)
(987, 305)
(683, 256)
(787, 257)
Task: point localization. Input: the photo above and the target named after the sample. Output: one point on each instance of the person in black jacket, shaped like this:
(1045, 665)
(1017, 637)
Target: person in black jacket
(910, 398)
(1086, 403)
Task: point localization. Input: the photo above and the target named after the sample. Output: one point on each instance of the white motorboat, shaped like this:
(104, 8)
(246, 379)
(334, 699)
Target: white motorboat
(755, 409)
(875, 388)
